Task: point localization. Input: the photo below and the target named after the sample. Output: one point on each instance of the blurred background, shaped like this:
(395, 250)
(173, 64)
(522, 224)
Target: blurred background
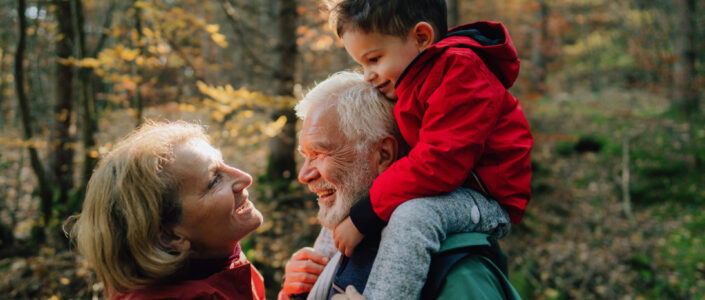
(613, 91)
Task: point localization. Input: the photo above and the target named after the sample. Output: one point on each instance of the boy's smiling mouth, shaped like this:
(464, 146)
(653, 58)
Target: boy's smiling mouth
(382, 85)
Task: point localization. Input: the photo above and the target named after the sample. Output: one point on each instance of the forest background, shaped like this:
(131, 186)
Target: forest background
(613, 91)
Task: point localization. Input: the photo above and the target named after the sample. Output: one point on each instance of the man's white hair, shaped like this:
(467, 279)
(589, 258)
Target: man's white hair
(365, 114)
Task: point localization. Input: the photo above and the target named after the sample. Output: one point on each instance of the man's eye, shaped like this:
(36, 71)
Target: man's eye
(214, 180)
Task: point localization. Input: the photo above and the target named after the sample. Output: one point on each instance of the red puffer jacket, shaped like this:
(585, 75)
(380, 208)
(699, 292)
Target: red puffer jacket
(463, 126)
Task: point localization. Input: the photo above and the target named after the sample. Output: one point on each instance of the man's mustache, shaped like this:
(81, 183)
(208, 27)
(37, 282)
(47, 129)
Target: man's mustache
(320, 185)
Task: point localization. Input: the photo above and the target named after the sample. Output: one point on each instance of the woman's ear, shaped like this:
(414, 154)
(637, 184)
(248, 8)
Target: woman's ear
(171, 240)
(386, 153)
(423, 34)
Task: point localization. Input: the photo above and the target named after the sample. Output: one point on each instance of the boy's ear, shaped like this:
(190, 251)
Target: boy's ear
(423, 34)
(170, 239)
(386, 153)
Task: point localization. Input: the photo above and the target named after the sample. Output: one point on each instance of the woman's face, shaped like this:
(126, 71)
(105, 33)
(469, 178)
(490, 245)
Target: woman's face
(216, 213)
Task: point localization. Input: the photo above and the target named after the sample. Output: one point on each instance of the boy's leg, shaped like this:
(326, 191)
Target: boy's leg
(415, 231)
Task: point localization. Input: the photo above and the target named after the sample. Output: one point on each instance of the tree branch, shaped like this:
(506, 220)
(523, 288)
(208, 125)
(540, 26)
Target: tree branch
(43, 185)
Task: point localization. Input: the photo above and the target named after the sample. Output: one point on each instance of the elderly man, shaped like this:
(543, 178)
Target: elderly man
(348, 138)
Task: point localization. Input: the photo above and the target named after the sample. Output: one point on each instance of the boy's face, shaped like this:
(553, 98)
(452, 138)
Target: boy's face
(383, 57)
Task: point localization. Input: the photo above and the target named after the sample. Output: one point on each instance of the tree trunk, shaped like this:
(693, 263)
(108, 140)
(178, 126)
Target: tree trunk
(2, 81)
(685, 95)
(45, 192)
(538, 49)
(61, 150)
(453, 13)
(139, 106)
(89, 125)
(281, 165)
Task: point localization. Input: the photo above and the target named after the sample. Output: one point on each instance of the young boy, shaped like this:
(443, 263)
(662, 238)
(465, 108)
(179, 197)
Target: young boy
(464, 128)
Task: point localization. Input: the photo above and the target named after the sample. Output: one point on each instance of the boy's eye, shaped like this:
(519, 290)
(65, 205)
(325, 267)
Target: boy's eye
(374, 59)
(214, 180)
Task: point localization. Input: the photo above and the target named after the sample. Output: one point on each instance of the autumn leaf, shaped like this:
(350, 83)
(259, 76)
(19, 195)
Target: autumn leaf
(219, 39)
(142, 4)
(212, 28)
(89, 63)
(129, 54)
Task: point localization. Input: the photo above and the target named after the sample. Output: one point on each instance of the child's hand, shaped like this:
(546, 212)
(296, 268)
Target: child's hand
(346, 237)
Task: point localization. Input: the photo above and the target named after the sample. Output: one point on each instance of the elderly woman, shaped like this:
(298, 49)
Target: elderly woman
(163, 216)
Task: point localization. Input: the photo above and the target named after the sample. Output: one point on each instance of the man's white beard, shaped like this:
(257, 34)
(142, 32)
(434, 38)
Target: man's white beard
(353, 186)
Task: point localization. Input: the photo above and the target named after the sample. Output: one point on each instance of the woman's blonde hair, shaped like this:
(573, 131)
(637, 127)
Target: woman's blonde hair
(130, 199)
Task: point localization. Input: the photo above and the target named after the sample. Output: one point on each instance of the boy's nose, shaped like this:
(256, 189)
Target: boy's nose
(369, 75)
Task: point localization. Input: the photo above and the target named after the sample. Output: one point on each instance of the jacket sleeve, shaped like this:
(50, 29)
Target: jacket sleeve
(460, 112)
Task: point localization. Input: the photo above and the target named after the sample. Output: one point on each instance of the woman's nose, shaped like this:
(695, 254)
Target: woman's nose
(241, 179)
(307, 173)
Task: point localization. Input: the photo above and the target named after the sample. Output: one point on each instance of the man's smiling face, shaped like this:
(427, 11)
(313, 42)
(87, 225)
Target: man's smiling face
(332, 168)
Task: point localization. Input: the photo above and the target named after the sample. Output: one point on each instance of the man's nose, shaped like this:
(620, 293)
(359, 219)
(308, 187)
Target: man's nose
(308, 173)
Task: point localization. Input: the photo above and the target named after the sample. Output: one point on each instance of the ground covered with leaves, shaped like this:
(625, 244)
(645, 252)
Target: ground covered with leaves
(604, 223)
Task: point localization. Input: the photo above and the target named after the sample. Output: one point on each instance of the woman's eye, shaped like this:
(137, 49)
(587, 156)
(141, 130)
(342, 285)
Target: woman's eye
(214, 180)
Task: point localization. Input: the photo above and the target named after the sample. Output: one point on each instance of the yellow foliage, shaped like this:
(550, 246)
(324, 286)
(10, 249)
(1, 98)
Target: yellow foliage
(147, 32)
(273, 128)
(106, 57)
(17, 142)
(247, 113)
(130, 54)
(163, 48)
(142, 4)
(212, 28)
(596, 40)
(219, 39)
(89, 63)
(67, 61)
(187, 107)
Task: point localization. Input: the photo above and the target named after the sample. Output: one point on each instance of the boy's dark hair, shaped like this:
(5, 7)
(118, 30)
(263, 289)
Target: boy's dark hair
(391, 17)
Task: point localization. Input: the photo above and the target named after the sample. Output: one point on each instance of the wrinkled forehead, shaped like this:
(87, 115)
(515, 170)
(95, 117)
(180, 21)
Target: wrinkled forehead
(322, 128)
(321, 119)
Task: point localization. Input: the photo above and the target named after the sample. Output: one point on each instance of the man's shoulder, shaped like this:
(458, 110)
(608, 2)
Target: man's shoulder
(467, 239)
(477, 277)
(476, 270)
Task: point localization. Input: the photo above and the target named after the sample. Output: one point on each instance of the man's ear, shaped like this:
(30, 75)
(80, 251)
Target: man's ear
(170, 239)
(423, 35)
(386, 153)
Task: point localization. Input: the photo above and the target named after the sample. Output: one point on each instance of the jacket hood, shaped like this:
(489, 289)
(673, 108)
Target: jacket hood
(490, 41)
